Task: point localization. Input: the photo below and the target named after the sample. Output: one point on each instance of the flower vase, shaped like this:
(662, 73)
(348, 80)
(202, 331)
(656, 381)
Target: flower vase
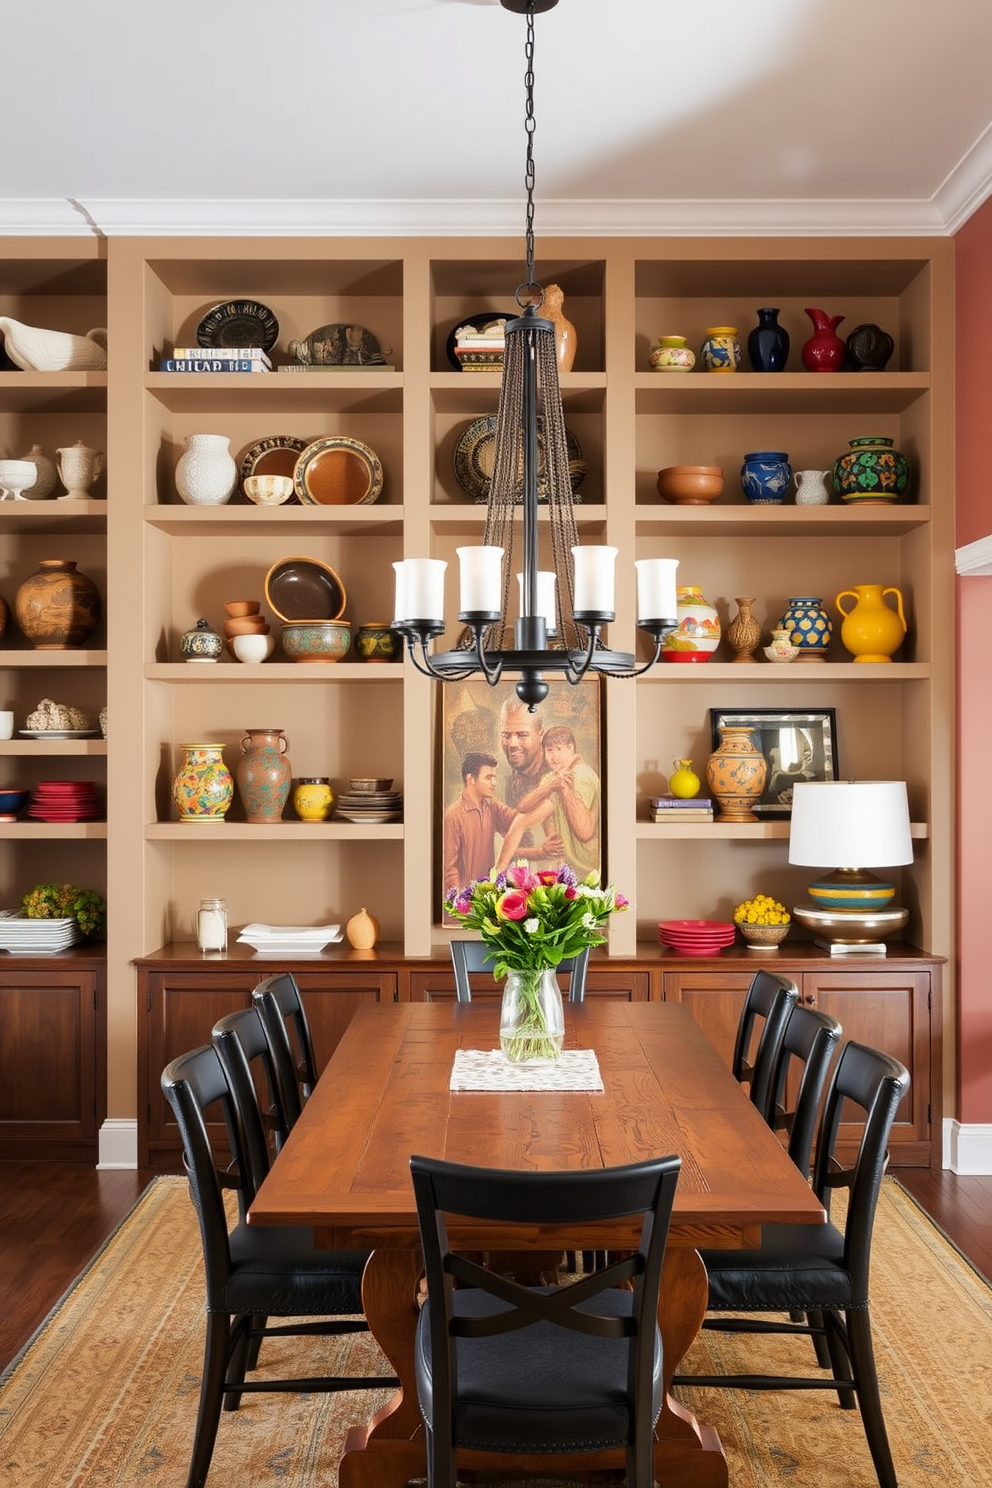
(203, 787)
(697, 634)
(824, 351)
(263, 774)
(532, 1019)
(206, 473)
(736, 773)
(743, 632)
(768, 343)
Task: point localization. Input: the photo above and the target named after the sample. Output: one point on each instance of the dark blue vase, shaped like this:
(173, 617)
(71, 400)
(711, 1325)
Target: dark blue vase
(768, 344)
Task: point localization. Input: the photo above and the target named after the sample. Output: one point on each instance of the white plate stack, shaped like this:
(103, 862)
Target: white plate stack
(26, 937)
(289, 940)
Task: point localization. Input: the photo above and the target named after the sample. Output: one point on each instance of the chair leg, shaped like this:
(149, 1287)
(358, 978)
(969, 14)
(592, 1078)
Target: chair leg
(841, 1364)
(255, 1341)
(863, 1360)
(815, 1320)
(239, 1354)
(215, 1355)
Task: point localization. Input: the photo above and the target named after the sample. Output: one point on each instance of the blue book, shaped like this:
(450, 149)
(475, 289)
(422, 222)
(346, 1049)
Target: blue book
(210, 364)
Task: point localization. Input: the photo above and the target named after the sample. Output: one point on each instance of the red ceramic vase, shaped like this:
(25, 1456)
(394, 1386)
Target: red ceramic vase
(824, 351)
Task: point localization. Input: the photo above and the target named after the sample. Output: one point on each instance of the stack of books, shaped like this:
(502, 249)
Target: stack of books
(225, 359)
(681, 808)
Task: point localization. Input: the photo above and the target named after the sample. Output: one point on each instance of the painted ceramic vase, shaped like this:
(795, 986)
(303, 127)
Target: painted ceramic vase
(768, 343)
(672, 355)
(824, 351)
(57, 608)
(871, 630)
(202, 643)
(869, 348)
(683, 781)
(812, 488)
(532, 1018)
(263, 774)
(203, 787)
(743, 632)
(721, 350)
(313, 798)
(809, 626)
(377, 641)
(872, 473)
(697, 634)
(735, 773)
(780, 648)
(765, 477)
(206, 473)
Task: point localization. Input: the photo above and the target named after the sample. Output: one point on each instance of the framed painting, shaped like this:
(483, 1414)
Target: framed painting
(797, 743)
(516, 784)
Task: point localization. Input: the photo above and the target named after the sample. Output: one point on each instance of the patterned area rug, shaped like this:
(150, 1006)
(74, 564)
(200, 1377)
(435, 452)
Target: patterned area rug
(106, 1394)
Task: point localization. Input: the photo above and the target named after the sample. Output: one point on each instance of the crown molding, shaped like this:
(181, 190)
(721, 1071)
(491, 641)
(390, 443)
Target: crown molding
(43, 217)
(974, 560)
(968, 185)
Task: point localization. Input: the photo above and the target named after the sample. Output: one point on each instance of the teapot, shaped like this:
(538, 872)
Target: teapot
(34, 349)
(79, 467)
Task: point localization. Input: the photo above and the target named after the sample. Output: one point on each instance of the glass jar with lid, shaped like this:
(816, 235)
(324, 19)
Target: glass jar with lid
(212, 920)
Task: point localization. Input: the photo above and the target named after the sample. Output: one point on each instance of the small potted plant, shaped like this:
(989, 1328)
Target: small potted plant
(60, 901)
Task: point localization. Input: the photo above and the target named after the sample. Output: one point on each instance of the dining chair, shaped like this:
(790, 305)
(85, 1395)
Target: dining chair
(251, 1272)
(821, 1273)
(810, 1040)
(284, 1019)
(241, 1040)
(469, 956)
(575, 1367)
(770, 999)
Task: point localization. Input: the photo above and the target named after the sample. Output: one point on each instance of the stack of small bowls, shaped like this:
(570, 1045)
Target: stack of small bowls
(246, 630)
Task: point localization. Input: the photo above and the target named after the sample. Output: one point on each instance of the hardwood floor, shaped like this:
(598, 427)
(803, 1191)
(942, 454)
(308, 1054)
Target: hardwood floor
(54, 1216)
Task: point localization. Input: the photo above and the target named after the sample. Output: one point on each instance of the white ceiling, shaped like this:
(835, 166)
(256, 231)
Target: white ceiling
(393, 116)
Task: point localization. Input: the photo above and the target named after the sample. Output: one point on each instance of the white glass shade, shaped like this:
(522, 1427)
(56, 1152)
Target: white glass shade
(480, 580)
(595, 580)
(545, 599)
(656, 597)
(850, 824)
(420, 589)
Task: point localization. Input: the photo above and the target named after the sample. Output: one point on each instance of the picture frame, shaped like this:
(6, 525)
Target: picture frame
(797, 743)
(470, 716)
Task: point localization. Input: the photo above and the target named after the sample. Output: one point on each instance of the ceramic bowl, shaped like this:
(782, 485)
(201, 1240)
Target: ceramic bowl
(316, 640)
(236, 608)
(17, 475)
(253, 648)
(12, 800)
(366, 785)
(268, 490)
(300, 588)
(763, 937)
(690, 485)
(246, 625)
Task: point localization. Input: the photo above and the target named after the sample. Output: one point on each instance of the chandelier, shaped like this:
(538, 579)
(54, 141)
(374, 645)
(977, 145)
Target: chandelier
(562, 611)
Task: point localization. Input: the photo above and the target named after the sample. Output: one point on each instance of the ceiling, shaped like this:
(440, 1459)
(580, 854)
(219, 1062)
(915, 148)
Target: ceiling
(406, 116)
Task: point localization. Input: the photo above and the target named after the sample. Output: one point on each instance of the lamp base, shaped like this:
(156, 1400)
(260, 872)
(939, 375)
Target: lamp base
(851, 888)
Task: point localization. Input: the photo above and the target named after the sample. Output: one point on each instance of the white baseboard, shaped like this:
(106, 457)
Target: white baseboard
(968, 1149)
(118, 1144)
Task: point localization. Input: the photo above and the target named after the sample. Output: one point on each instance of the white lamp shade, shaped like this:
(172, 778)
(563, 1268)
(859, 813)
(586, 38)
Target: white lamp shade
(481, 580)
(850, 824)
(595, 580)
(656, 597)
(420, 589)
(545, 599)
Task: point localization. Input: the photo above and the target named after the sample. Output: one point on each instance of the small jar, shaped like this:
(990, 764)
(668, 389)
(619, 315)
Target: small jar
(313, 798)
(212, 920)
(202, 643)
(377, 641)
(721, 351)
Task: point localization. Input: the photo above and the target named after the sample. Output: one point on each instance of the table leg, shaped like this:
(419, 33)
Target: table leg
(686, 1452)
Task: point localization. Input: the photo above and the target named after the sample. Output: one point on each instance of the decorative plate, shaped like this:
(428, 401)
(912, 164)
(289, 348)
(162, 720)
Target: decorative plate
(338, 471)
(478, 323)
(475, 454)
(238, 323)
(276, 455)
(300, 588)
(338, 345)
(59, 733)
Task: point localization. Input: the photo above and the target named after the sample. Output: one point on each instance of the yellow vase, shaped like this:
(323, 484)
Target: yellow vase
(871, 629)
(683, 780)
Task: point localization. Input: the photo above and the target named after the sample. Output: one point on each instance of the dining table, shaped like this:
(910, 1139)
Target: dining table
(386, 1094)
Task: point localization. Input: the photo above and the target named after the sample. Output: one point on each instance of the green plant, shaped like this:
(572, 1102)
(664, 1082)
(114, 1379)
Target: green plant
(58, 901)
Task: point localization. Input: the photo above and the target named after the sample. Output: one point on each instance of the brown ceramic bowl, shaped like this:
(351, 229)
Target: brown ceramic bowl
(235, 608)
(246, 625)
(300, 588)
(690, 485)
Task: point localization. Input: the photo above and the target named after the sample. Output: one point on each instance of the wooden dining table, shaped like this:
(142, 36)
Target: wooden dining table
(385, 1095)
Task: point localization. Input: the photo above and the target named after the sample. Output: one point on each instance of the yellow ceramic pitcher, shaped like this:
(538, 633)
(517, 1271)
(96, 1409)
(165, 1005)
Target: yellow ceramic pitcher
(872, 630)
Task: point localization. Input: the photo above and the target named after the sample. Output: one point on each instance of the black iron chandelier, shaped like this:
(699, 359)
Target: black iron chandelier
(562, 612)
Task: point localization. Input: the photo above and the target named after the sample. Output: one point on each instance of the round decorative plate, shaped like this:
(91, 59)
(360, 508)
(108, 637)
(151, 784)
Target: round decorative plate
(338, 471)
(59, 733)
(300, 588)
(475, 455)
(478, 323)
(238, 323)
(276, 455)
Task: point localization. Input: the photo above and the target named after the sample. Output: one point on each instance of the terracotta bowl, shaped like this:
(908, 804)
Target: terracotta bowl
(246, 625)
(235, 608)
(316, 640)
(690, 485)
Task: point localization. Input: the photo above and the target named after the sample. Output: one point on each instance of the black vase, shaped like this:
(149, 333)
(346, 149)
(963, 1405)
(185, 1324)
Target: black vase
(868, 348)
(768, 344)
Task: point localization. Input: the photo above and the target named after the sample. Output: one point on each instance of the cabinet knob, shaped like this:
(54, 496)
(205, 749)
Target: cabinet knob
(809, 999)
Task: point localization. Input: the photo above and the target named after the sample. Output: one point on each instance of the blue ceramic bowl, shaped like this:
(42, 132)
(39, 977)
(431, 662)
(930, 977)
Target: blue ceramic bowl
(12, 800)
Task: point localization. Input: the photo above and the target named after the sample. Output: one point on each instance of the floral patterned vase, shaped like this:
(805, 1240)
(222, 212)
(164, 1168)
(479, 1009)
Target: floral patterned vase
(766, 476)
(697, 634)
(872, 472)
(672, 355)
(736, 772)
(532, 1019)
(203, 787)
(263, 774)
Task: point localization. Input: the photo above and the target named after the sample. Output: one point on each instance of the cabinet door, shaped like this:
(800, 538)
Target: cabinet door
(331, 1006)
(439, 985)
(887, 1010)
(715, 998)
(51, 1024)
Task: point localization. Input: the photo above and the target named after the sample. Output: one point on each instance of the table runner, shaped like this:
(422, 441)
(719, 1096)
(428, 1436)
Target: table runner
(488, 1069)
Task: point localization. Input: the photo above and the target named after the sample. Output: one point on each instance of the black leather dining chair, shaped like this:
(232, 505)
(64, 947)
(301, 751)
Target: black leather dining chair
(240, 1039)
(526, 1370)
(251, 1272)
(469, 956)
(767, 1005)
(810, 1041)
(821, 1273)
(284, 1019)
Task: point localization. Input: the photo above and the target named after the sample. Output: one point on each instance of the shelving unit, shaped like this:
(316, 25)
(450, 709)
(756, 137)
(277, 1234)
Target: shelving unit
(168, 564)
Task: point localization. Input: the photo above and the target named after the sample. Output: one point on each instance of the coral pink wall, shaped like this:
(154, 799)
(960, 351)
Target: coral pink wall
(973, 415)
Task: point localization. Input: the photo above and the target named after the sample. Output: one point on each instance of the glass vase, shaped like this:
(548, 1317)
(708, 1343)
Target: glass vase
(532, 1019)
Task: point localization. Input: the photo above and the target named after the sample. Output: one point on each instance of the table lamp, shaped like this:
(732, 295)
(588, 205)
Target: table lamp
(855, 825)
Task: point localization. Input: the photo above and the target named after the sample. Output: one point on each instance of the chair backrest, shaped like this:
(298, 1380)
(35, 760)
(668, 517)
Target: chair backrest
(468, 956)
(250, 1067)
(875, 1083)
(284, 1019)
(770, 998)
(645, 1190)
(811, 1039)
(192, 1084)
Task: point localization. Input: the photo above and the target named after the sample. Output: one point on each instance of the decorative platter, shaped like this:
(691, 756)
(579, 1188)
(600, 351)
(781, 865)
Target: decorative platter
(475, 455)
(338, 345)
(59, 733)
(300, 588)
(478, 323)
(338, 471)
(276, 455)
(238, 323)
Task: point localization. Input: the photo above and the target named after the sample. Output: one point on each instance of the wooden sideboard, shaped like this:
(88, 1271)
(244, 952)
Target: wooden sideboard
(893, 1003)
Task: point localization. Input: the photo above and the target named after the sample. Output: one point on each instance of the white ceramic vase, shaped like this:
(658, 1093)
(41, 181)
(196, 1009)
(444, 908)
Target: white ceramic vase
(47, 476)
(206, 473)
(812, 488)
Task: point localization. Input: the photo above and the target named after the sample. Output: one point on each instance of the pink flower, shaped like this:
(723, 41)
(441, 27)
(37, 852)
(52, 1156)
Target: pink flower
(570, 892)
(522, 878)
(621, 901)
(512, 906)
(548, 876)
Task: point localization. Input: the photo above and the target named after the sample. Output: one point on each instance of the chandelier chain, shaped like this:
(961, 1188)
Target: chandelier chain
(530, 126)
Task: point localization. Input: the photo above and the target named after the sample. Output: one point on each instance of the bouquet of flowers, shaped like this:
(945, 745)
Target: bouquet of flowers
(529, 923)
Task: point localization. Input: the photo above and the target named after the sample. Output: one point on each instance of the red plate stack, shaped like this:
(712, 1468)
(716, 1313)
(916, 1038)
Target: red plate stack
(65, 801)
(696, 937)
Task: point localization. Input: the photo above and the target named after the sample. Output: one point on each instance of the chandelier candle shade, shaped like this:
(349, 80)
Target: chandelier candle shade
(573, 599)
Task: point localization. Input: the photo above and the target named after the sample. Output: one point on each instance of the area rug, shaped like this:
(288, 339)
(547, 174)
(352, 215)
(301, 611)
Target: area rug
(106, 1393)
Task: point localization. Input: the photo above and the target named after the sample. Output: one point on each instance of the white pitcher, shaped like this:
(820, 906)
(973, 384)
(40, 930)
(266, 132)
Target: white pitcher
(79, 467)
(812, 488)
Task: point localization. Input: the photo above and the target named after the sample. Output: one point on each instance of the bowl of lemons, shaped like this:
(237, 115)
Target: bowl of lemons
(763, 922)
